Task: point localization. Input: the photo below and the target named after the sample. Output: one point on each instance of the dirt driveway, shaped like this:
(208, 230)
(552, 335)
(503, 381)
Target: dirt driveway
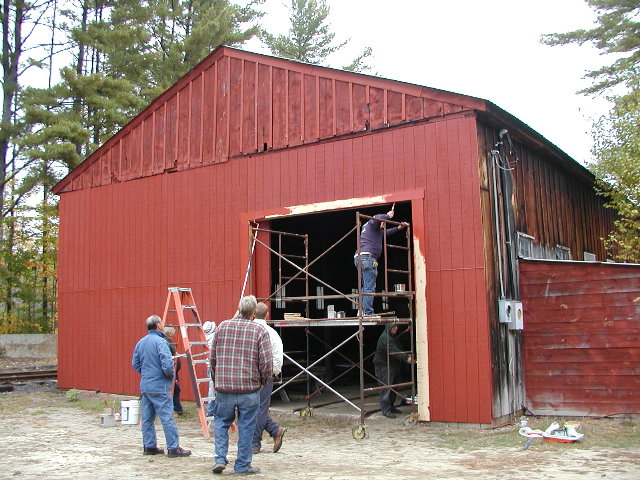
(46, 436)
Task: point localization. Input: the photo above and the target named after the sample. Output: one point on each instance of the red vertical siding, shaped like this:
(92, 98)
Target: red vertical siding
(581, 337)
(161, 231)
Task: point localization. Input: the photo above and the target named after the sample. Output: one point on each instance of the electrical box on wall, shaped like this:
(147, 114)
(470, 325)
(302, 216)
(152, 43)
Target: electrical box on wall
(510, 312)
(517, 321)
(504, 311)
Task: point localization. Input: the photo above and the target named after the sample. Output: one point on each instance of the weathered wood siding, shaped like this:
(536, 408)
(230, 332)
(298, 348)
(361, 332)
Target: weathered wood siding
(581, 337)
(236, 103)
(554, 201)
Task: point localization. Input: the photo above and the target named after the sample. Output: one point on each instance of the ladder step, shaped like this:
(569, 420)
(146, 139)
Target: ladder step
(192, 325)
(188, 306)
(194, 355)
(196, 362)
(197, 343)
(203, 380)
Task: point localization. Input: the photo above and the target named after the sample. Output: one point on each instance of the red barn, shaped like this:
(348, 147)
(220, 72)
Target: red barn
(243, 137)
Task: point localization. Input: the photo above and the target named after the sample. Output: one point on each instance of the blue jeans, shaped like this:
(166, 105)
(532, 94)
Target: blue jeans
(388, 377)
(160, 404)
(247, 408)
(369, 275)
(177, 406)
(264, 421)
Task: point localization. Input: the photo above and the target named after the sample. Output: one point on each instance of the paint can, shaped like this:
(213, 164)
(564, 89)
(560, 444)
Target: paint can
(129, 410)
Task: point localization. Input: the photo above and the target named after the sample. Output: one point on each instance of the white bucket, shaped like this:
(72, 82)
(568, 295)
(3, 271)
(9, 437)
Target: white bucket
(129, 410)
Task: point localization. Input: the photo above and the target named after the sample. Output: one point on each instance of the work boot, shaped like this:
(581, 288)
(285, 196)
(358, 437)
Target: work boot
(153, 451)
(277, 439)
(218, 467)
(178, 452)
(249, 471)
(388, 414)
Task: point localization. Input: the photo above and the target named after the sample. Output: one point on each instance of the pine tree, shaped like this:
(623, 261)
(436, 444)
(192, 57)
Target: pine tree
(310, 38)
(617, 32)
(616, 135)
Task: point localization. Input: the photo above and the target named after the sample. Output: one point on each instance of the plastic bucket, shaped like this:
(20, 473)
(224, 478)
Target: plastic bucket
(129, 410)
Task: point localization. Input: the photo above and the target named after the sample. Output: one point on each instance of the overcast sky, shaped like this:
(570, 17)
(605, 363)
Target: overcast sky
(484, 48)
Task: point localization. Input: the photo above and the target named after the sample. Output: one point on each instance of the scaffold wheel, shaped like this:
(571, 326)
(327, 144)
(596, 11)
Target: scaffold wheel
(359, 432)
(411, 419)
(306, 412)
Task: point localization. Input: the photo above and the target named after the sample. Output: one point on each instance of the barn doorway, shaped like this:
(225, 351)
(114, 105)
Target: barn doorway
(324, 241)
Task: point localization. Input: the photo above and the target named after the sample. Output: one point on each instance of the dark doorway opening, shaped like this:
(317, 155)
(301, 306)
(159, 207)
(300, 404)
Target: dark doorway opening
(336, 268)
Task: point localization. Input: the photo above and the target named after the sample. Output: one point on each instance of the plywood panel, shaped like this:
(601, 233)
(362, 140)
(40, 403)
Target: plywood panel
(264, 108)
(209, 116)
(310, 108)
(159, 143)
(249, 108)
(294, 108)
(236, 102)
(280, 95)
(196, 123)
(171, 136)
(343, 105)
(222, 110)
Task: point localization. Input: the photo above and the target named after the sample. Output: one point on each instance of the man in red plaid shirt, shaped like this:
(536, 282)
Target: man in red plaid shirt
(241, 364)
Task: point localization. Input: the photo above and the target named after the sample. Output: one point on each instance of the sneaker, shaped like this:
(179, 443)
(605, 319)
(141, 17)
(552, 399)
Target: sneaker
(153, 451)
(249, 471)
(396, 410)
(388, 414)
(277, 439)
(178, 452)
(218, 467)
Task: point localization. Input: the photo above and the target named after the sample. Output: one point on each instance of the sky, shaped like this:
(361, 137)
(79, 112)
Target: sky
(483, 48)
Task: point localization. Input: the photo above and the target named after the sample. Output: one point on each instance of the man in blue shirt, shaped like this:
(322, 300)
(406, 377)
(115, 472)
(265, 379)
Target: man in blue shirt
(152, 359)
(371, 238)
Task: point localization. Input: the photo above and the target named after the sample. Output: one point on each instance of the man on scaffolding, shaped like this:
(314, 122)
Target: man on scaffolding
(371, 239)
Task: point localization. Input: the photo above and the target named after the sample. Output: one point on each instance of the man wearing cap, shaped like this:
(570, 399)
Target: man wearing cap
(371, 238)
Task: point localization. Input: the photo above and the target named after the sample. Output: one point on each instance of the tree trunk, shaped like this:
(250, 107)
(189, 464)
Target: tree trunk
(10, 61)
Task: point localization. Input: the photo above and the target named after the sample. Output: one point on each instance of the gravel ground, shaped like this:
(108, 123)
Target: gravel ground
(53, 438)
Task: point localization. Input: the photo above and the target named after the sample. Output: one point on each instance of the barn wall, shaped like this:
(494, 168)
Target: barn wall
(581, 337)
(553, 204)
(122, 244)
(236, 103)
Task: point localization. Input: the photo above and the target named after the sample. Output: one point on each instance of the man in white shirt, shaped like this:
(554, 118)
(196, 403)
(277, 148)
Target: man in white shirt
(264, 421)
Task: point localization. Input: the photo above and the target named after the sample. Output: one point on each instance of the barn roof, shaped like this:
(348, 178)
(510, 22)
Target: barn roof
(237, 103)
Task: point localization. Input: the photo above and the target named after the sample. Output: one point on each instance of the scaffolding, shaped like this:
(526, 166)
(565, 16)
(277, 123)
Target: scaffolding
(300, 264)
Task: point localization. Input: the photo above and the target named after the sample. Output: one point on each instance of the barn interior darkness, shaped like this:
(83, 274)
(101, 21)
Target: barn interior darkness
(335, 268)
